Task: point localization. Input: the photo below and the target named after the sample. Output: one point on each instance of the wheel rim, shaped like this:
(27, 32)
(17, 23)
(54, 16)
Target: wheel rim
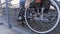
(35, 24)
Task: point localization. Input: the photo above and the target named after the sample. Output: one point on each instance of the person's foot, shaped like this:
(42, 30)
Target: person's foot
(20, 18)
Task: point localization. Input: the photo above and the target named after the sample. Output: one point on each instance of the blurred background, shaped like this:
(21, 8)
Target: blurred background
(13, 8)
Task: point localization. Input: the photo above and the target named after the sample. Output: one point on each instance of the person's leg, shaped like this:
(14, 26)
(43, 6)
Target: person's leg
(22, 3)
(47, 7)
(22, 10)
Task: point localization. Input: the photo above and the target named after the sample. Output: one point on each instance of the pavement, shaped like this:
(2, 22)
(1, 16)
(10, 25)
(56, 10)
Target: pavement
(5, 30)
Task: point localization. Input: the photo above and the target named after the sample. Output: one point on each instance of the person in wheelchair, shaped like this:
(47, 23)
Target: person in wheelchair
(40, 23)
(33, 4)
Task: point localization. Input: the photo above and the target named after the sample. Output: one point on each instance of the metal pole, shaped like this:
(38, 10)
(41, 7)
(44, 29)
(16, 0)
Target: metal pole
(7, 14)
(0, 9)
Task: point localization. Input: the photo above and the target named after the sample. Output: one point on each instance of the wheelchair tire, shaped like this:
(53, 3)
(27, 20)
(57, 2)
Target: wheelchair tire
(40, 27)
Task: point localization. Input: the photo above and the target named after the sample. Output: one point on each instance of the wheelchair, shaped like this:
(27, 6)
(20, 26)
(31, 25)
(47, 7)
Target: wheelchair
(40, 19)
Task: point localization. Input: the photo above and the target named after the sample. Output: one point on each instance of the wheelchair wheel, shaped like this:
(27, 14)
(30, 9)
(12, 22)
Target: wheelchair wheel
(40, 22)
